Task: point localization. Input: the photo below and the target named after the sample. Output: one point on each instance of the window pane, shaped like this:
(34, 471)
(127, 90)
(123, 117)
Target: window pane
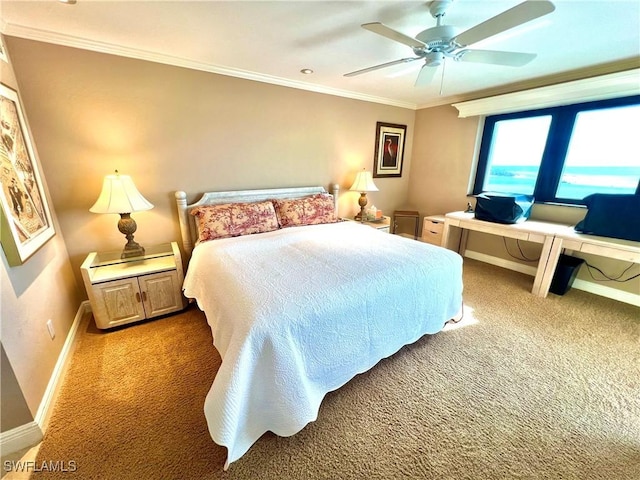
(603, 154)
(515, 155)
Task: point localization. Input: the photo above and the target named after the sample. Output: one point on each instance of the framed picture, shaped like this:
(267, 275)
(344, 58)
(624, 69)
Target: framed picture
(389, 150)
(25, 215)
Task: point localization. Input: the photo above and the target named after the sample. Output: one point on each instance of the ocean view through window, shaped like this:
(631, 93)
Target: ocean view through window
(563, 154)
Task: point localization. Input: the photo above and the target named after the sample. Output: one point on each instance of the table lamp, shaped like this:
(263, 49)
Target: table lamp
(120, 195)
(363, 184)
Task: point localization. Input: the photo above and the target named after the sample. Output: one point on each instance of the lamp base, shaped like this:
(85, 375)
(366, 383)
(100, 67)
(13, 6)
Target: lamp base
(127, 226)
(132, 249)
(362, 201)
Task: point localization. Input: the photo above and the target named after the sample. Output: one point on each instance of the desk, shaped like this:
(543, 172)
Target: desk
(553, 236)
(458, 224)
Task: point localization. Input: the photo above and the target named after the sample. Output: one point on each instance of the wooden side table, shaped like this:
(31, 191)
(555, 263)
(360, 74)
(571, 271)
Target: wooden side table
(132, 289)
(413, 214)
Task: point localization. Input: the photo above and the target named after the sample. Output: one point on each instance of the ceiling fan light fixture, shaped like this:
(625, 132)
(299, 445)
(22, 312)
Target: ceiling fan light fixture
(434, 59)
(439, 36)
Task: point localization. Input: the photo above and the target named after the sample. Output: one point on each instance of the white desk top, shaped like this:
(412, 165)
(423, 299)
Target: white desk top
(523, 229)
(572, 240)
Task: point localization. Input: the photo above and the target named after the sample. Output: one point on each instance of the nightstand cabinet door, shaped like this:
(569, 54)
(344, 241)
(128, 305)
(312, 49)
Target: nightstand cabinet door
(161, 293)
(118, 302)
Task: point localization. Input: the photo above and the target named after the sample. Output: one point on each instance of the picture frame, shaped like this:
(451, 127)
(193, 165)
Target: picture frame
(389, 150)
(26, 221)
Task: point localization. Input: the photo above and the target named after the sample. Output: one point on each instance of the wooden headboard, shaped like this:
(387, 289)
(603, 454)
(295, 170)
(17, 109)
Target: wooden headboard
(187, 222)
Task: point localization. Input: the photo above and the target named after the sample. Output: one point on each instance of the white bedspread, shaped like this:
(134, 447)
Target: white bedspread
(298, 312)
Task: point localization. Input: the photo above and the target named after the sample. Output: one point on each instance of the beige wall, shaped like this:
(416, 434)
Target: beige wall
(443, 167)
(443, 151)
(14, 411)
(42, 288)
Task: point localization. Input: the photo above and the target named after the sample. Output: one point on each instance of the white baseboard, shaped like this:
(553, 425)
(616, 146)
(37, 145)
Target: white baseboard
(19, 438)
(30, 434)
(578, 284)
(48, 400)
(603, 290)
(501, 262)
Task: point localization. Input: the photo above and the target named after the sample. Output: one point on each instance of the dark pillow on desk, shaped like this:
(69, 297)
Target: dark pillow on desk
(611, 215)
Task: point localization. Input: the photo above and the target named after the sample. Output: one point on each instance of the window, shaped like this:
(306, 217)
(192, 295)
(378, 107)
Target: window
(563, 154)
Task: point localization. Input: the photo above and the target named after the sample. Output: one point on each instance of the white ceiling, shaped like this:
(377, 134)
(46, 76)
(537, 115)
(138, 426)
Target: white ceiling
(272, 41)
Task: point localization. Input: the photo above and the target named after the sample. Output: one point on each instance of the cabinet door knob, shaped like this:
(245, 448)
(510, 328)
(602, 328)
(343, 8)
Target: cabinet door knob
(138, 297)
(144, 296)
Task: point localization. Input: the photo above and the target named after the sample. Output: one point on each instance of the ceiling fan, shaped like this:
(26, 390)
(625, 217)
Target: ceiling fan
(438, 43)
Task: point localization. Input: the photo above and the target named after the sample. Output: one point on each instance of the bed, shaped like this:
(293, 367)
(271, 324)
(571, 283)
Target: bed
(298, 309)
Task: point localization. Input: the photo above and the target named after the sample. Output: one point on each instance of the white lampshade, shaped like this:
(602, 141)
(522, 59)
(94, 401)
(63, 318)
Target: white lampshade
(120, 195)
(364, 182)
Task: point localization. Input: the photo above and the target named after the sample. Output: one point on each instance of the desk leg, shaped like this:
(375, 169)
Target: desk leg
(547, 246)
(450, 237)
(550, 270)
(464, 235)
(547, 265)
(454, 238)
(446, 234)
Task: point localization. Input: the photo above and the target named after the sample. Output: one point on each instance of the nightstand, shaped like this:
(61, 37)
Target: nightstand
(383, 224)
(432, 228)
(127, 290)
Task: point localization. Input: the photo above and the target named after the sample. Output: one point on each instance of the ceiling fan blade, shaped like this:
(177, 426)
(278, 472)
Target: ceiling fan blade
(513, 17)
(508, 59)
(390, 33)
(383, 65)
(425, 76)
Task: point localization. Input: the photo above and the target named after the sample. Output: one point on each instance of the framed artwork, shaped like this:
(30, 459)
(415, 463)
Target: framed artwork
(389, 150)
(25, 215)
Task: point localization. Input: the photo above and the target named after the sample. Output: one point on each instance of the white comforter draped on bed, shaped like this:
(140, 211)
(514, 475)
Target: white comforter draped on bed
(298, 312)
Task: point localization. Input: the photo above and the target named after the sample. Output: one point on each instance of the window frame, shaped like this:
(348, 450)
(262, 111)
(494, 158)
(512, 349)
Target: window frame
(556, 147)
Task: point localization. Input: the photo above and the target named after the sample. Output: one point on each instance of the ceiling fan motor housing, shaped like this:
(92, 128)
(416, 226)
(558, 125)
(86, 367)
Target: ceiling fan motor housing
(439, 38)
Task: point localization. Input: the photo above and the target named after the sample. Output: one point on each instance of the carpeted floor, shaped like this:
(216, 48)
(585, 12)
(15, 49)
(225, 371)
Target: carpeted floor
(522, 388)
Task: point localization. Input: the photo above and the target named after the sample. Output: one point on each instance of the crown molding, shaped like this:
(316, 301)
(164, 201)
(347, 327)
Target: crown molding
(534, 83)
(47, 36)
(613, 85)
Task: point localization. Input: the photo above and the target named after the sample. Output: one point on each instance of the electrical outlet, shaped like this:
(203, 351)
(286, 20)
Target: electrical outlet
(52, 332)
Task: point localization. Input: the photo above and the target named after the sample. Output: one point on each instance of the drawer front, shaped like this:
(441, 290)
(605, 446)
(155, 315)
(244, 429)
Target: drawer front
(432, 226)
(432, 237)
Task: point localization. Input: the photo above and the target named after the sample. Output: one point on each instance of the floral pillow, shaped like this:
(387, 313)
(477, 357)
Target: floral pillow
(311, 210)
(234, 219)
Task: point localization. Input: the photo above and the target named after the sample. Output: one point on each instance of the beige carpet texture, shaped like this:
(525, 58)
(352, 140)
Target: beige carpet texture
(522, 388)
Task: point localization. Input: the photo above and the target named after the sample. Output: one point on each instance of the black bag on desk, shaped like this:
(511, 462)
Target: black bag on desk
(503, 207)
(611, 215)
